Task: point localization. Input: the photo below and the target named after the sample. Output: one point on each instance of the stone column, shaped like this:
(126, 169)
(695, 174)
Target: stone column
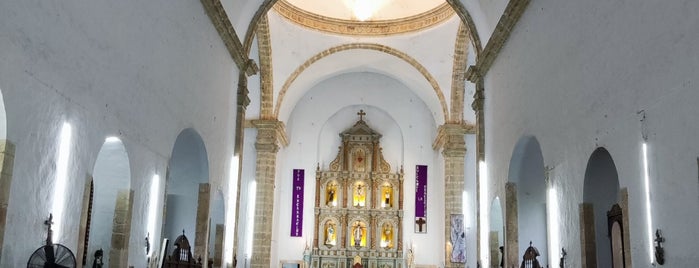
(270, 133)
(218, 245)
(121, 230)
(511, 226)
(7, 159)
(201, 241)
(84, 230)
(450, 138)
(242, 102)
(588, 245)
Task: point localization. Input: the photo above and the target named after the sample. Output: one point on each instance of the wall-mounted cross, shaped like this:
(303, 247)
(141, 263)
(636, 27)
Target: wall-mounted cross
(361, 114)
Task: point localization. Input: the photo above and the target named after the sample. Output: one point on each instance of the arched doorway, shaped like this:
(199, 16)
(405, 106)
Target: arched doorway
(496, 236)
(187, 187)
(527, 211)
(600, 195)
(111, 190)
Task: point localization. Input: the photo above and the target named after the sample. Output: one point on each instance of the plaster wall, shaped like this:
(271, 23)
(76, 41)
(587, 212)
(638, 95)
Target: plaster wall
(576, 75)
(408, 131)
(109, 69)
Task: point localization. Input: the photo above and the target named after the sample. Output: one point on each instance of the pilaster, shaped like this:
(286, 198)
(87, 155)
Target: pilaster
(450, 139)
(270, 135)
(7, 159)
(201, 237)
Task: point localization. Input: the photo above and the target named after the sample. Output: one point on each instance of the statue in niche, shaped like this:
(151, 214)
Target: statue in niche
(330, 235)
(331, 195)
(359, 197)
(359, 162)
(386, 196)
(357, 234)
(387, 236)
(410, 259)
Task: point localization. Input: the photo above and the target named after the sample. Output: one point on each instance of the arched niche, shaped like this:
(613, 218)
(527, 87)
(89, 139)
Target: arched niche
(496, 235)
(216, 229)
(386, 234)
(111, 189)
(188, 170)
(357, 233)
(600, 194)
(329, 233)
(526, 176)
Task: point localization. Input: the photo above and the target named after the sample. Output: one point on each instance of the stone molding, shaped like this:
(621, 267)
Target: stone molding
(270, 132)
(507, 22)
(451, 136)
(7, 159)
(467, 20)
(264, 45)
(458, 82)
(369, 46)
(409, 24)
(219, 18)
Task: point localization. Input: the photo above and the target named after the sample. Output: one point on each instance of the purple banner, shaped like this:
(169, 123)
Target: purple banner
(297, 204)
(420, 199)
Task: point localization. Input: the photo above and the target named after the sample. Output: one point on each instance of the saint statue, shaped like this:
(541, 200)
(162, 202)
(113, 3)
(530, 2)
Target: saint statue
(330, 234)
(357, 234)
(359, 195)
(330, 197)
(410, 259)
(386, 202)
(387, 236)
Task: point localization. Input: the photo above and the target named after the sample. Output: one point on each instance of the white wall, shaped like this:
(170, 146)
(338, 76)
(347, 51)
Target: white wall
(575, 74)
(408, 131)
(139, 70)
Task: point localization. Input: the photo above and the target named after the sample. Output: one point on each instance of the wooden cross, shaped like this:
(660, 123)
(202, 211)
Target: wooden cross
(361, 114)
(420, 222)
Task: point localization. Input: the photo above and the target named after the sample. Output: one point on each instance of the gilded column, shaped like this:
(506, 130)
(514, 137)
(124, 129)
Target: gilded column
(270, 134)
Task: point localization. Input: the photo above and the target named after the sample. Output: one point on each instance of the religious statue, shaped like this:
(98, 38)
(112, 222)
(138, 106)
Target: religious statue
(386, 197)
(387, 236)
(357, 234)
(359, 195)
(330, 234)
(458, 239)
(330, 198)
(410, 259)
(97, 263)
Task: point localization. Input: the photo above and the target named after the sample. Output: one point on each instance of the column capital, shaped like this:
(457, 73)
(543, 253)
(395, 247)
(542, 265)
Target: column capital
(270, 134)
(450, 138)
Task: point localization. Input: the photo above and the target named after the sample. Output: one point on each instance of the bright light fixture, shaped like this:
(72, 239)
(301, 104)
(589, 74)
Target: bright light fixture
(646, 180)
(152, 209)
(112, 139)
(61, 179)
(231, 210)
(364, 9)
(483, 181)
(251, 216)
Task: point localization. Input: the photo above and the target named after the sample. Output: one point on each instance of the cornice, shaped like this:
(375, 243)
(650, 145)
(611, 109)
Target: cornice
(364, 28)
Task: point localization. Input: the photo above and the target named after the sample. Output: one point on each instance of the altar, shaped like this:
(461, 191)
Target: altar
(358, 206)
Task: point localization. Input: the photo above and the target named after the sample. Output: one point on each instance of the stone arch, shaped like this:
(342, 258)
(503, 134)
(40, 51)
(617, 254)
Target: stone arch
(110, 204)
(600, 193)
(496, 233)
(527, 178)
(368, 46)
(187, 186)
(458, 7)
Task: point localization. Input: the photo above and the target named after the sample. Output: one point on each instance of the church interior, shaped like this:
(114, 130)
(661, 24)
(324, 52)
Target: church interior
(349, 133)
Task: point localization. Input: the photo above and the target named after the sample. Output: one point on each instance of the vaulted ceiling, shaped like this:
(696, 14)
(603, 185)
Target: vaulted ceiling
(425, 44)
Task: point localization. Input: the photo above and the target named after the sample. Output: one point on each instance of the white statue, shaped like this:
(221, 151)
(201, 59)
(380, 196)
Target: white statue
(410, 259)
(357, 234)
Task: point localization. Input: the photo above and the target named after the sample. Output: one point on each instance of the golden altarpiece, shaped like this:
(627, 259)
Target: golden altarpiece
(358, 206)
